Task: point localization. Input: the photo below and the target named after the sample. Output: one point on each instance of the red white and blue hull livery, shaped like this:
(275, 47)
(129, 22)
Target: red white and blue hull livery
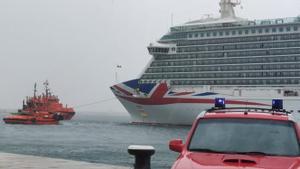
(160, 104)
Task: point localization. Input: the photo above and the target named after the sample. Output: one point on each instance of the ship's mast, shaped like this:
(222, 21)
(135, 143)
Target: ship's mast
(34, 90)
(227, 8)
(46, 84)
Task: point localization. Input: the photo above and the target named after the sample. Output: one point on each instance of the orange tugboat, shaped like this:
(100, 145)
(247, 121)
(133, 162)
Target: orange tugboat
(39, 118)
(41, 109)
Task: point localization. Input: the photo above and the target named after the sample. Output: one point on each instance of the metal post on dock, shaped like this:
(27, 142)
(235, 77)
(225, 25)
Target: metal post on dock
(142, 156)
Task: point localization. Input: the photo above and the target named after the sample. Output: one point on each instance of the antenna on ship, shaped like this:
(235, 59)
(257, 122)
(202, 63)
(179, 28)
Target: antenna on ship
(172, 19)
(227, 8)
(116, 73)
(46, 84)
(34, 90)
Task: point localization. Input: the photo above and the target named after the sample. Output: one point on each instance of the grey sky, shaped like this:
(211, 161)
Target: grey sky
(76, 44)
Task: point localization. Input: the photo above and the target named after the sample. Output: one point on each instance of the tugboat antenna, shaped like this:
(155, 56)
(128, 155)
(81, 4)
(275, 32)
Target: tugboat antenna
(34, 91)
(46, 83)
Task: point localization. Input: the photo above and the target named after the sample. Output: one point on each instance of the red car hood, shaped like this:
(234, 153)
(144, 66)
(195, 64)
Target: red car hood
(228, 161)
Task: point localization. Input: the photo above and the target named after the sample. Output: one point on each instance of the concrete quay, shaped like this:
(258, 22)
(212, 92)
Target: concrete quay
(16, 161)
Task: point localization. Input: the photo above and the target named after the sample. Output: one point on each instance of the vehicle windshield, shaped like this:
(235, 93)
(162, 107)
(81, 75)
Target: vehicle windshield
(245, 136)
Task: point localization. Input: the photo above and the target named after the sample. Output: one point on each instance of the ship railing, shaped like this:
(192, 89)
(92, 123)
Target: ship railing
(276, 21)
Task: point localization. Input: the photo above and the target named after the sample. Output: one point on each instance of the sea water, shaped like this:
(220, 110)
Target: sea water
(91, 137)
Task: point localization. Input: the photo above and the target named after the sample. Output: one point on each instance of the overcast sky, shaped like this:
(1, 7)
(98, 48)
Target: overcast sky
(76, 44)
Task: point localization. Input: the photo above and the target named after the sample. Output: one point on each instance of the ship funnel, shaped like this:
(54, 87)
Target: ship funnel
(227, 8)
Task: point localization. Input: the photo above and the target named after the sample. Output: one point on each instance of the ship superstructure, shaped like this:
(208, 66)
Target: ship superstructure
(248, 62)
(47, 102)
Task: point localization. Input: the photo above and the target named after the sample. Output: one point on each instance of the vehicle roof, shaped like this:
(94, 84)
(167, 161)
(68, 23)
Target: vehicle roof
(246, 113)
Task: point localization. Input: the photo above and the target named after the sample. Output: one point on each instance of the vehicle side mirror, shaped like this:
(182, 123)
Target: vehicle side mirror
(176, 145)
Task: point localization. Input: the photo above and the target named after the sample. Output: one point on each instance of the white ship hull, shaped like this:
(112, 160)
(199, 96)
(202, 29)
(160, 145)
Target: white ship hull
(175, 114)
(158, 106)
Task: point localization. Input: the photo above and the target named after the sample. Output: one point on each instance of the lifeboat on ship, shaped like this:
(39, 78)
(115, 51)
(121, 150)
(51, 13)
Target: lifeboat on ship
(36, 118)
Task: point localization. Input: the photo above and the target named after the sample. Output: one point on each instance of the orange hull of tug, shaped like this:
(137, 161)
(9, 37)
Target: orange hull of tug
(31, 119)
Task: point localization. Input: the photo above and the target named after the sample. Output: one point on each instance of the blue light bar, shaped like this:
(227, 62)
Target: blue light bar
(220, 102)
(277, 104)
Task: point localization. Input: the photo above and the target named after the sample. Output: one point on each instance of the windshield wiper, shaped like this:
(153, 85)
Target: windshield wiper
(207, 150)
(230, 152)
(253, 153)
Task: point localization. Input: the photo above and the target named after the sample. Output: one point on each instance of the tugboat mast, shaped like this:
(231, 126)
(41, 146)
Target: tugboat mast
(227, 8)
(47, 90)
(34, 90)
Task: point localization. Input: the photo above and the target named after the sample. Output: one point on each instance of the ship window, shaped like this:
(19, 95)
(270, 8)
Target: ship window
(281, 29)
(233, 32)
(202, 34)
(288, 28)
(227, 32)
(274, 29)
(253, 31)
(259, 30)
(196, 35)
(221, 33)
(190, 35)
(240, 32)
(208, 34)
(267, 30)
(247, 31)
(295, 28)
(214, 33)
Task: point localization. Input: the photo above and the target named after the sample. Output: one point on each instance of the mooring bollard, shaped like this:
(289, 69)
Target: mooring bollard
(142, 155)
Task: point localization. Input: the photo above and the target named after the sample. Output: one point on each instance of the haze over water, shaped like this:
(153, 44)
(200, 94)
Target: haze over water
(76, 44)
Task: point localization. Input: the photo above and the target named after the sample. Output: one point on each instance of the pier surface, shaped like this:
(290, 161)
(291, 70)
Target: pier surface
(16, 161)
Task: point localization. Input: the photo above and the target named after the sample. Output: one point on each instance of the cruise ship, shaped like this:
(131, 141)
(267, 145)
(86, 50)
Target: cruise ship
(247, 62)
